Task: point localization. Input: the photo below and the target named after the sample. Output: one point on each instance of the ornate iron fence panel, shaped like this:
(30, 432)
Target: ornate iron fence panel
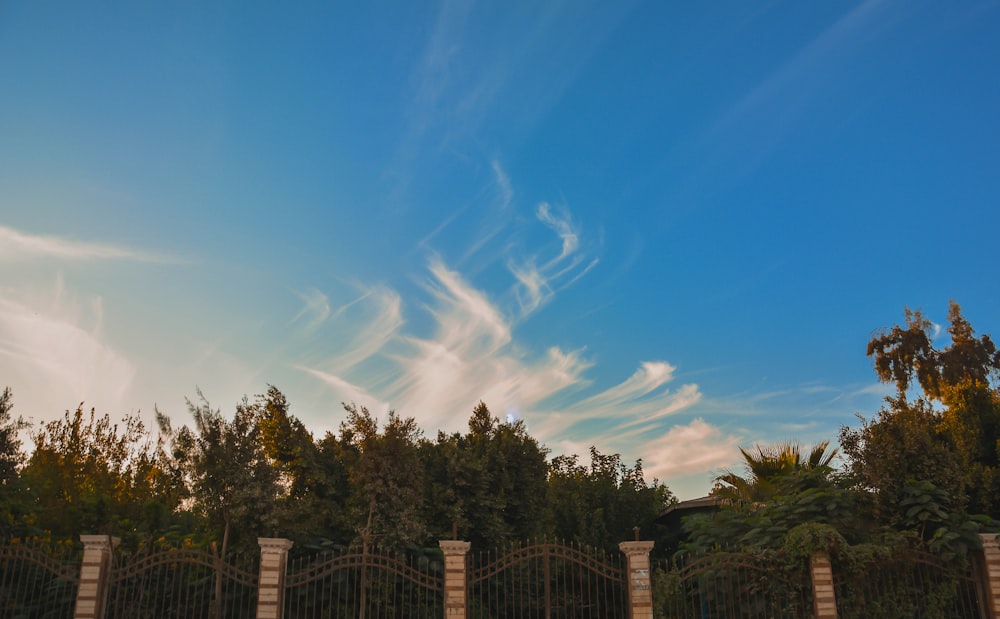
(732, 585)
(910, 584)
(36, 583)
(547, 581)
(183, 583)
(372, 584)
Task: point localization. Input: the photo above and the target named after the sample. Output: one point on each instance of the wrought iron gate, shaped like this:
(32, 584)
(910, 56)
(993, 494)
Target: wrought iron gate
(372, 584)
(35, 583)
(550, 581)
(732, 585)
(182, 583)
(908, 584)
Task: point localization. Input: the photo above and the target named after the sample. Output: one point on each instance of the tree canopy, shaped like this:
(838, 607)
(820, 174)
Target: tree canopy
(925, 467)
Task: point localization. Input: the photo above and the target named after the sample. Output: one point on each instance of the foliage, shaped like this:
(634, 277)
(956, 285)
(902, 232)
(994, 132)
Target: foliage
(810, 496)
(89, 475)
(386, 477)
(227, 476)
(602, 504)
(490, 482)
(11, 455)
(808, 538)
(773, 471)
(312, 480)
(958, 400)
(905, 441)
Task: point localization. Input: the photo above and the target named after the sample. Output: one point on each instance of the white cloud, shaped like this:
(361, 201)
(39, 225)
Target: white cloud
(503, 184)
(315, 309)
(536, 285)
(533, 289)
(349, 392)
(55, 361)
(385, 318)
(563, 226)
(466, 319)
(471, 355)
(692, 448)
(16, 245)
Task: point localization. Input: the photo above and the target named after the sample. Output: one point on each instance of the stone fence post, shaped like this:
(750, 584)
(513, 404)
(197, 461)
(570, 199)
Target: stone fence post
(989, 576)
(95, 576)
(824, 593)
(455, 578)
(638, 581)
(271, 582)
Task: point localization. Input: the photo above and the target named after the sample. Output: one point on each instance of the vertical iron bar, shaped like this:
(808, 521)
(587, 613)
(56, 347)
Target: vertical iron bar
(548, 584)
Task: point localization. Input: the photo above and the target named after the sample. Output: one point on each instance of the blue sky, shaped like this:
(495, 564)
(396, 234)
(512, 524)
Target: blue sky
(665, 229)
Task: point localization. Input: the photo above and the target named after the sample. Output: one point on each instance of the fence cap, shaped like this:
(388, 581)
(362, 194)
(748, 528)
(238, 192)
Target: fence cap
(636, 548)
(452, 546)
(274, 544)
(100, 541)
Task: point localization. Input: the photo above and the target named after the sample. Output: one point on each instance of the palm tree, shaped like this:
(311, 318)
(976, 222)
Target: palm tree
(772, 471)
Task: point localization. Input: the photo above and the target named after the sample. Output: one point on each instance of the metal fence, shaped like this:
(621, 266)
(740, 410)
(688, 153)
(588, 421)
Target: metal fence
(547, 580)
(365, 584)
(38, 582)
(731, 585)
(910, 584)
(182, 583)
(541, 580)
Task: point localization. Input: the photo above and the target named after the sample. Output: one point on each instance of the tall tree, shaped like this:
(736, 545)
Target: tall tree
(956, 405)
(489, 483)
(905, 441)
(225, 469)
(601, 504)
(11, 456)
(11, 459)
(904, 355)
(89, 475)
(312, 480)
(386, 477)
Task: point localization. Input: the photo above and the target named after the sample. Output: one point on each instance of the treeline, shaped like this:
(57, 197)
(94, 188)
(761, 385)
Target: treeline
(923, 471)
(227, 479)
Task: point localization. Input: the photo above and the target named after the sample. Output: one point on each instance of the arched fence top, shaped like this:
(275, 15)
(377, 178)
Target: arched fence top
(62, 565)
(592, 560)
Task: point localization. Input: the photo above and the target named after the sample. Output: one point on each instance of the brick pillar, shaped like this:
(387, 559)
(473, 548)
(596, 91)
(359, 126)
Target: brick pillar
(990, 573)
(271, 583)
(640, 595)
(95, 576)
(824, 595)
(455, 588)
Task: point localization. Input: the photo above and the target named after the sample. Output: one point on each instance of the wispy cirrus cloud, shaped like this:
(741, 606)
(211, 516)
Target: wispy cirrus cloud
(57, 353)
(315, 309)
(17, 245)
(348, 391)
(471, 352)
(537, 283)
(472, 355)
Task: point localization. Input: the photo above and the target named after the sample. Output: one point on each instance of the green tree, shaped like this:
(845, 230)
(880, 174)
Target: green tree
(781, 490)
(906, 441)
(313, 486)
(600, 505)
(772, 471)
(11, 456)
(229, 480)
(946, 399)
(490, 483)
(386, 477)
(11, 459)
(89, 475)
